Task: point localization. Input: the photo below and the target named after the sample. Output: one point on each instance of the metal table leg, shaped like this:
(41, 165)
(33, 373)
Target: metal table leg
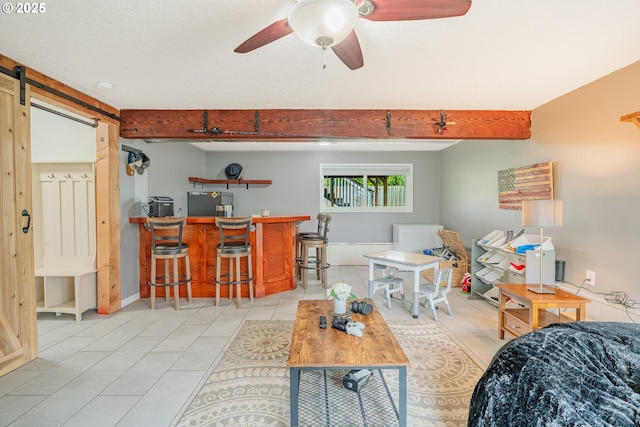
(371, 278)
(402, 398)
(294, 394)
(415, 305)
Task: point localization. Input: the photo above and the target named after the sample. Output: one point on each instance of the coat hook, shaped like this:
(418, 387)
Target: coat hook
(68, 176)
(52, 176)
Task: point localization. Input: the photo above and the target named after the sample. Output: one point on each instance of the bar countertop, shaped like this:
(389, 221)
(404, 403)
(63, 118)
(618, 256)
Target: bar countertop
(272, 249)
(257, 219)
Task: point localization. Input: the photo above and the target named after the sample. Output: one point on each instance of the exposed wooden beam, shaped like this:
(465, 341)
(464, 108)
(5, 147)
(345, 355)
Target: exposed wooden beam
(632, 118)
(301, 125)
(108, 217)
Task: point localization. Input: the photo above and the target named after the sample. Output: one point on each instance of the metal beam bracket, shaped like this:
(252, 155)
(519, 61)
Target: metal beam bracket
(388, 122)
(20, 74)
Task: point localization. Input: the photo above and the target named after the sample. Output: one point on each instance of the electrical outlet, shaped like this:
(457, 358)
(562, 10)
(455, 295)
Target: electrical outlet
(590, 278)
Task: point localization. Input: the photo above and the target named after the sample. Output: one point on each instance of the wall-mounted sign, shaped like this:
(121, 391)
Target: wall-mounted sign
(533, 182)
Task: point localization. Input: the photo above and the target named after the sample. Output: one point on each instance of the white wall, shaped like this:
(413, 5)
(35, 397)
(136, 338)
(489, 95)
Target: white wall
(168, 174)
(597, 170)
(295, 189)
(55, 139)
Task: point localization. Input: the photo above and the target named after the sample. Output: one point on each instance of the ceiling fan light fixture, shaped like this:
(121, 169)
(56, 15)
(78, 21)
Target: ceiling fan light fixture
(323, 23)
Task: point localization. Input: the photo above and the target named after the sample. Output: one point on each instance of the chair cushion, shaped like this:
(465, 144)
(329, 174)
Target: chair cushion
(169, 249)
(234, 248)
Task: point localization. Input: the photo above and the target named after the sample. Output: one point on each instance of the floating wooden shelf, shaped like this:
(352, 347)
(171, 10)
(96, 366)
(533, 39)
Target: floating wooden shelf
(246, 182)
(633, 118)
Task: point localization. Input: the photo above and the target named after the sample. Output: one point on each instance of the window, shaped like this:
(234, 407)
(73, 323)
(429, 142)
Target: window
(366, 187)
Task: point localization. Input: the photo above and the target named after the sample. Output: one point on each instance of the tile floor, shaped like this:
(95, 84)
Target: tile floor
(139, 367)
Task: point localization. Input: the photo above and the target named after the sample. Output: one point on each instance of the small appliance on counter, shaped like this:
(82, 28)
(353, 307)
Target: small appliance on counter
(160, 206)
(224, 211)
(210, 203)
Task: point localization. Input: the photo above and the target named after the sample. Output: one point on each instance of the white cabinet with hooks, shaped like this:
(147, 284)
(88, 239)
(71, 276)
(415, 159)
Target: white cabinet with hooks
(64, 230)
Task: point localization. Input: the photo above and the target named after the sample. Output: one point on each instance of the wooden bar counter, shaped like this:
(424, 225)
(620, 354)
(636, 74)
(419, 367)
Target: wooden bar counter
(273, 254)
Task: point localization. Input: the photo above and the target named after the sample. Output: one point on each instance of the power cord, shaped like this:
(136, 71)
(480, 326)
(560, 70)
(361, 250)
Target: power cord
(614, 298)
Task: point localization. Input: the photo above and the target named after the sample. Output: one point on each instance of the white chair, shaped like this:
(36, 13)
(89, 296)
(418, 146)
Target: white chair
(435, 292)
(388, 283)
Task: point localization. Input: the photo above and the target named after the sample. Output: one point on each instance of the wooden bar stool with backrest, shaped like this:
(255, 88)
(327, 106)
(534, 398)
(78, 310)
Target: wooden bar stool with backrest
(318, 262)
(234, 245)
(306, 234)
(167, 245)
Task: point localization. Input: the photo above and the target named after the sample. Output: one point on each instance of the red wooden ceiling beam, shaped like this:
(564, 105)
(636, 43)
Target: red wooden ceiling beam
(301, 125)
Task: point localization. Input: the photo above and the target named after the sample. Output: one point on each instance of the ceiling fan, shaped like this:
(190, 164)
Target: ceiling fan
(330, 23)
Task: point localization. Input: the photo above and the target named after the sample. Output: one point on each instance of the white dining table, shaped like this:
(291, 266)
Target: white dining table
(403, 261)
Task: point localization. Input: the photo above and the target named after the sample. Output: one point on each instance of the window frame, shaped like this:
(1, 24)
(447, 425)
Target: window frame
(367, 169)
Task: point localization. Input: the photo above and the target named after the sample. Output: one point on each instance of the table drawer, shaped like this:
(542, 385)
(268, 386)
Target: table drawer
(516, 325)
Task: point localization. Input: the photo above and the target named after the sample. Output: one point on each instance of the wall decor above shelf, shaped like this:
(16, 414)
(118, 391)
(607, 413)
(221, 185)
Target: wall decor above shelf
(228, 182)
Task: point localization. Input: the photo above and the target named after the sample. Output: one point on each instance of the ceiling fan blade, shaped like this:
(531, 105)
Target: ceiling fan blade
(265, 36)
(349, 51)
(409, 10)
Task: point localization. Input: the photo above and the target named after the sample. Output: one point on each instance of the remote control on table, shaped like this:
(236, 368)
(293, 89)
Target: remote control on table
(323, 322)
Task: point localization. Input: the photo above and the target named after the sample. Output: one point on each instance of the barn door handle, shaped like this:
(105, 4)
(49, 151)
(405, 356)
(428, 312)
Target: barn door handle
(26, 213)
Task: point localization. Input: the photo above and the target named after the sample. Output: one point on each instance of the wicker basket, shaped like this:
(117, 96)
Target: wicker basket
(459, 266)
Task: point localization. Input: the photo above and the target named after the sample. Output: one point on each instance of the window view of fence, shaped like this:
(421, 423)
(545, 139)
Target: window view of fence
(366, 187)
(351, 191)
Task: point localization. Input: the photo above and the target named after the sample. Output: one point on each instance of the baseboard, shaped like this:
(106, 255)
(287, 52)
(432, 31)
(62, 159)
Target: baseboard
(133, 298)
(353, 253)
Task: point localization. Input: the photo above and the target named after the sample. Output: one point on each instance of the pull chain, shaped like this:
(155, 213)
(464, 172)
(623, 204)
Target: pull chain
(324, 57)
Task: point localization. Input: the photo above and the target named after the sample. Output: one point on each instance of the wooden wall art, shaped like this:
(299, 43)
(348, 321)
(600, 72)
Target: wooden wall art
(533, 182)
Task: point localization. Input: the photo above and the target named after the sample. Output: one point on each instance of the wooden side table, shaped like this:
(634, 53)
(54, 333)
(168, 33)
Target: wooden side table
(534, 315)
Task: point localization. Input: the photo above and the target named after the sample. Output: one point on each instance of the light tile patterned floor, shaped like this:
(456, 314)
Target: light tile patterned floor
(139, 367)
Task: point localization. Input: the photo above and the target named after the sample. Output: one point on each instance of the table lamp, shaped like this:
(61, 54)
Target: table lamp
(541, 213)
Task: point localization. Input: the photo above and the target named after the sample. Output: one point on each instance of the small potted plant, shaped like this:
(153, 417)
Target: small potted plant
(340, 292)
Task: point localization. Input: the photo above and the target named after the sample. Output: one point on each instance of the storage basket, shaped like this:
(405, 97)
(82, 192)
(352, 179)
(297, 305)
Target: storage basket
(460, 266)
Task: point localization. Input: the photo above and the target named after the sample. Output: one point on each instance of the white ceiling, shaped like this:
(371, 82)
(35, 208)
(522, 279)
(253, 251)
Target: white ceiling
(160, 54)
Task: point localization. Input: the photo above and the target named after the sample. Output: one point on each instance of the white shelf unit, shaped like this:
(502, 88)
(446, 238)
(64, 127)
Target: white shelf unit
(64, 230)
(65, 290)
(494, 260)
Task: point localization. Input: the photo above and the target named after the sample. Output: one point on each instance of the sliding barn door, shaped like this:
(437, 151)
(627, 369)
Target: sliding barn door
(18, 329)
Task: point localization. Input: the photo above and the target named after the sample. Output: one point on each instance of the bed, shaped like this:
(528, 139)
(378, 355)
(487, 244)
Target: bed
(569, 374)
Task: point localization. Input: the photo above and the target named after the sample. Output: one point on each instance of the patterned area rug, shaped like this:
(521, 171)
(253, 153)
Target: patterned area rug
(250, 385)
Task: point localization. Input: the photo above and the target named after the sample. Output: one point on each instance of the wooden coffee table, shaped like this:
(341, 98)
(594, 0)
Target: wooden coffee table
(313, 348)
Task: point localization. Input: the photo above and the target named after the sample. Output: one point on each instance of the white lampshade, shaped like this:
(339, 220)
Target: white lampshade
(541, 213)
(323, 23)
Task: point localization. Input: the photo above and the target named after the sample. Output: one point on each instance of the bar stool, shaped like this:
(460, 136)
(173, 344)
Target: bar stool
(234, 245)
(167, 244)
(388, 283)
(318, 262)
(306, 234)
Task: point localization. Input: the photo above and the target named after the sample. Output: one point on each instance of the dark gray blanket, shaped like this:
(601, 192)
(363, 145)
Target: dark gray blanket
(571, 374)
